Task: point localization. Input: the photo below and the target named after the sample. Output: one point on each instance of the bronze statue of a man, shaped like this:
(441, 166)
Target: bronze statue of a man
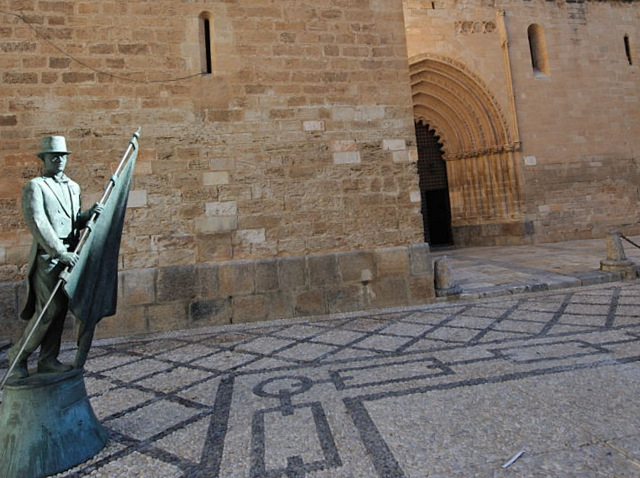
(51, 207)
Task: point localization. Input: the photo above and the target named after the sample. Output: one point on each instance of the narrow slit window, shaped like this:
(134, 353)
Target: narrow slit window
(206, 49)
(627, 49)
(538, 47)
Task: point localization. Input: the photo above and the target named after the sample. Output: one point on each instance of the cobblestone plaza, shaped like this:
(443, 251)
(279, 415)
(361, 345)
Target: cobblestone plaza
(452, 389)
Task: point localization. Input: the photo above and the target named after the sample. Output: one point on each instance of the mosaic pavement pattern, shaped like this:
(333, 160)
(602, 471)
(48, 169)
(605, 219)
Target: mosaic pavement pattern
(446, 390)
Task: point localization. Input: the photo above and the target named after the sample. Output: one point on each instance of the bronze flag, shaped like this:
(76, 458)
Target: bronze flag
(92, 284)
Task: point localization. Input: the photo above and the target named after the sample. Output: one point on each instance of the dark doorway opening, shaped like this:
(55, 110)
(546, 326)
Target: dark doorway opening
(434, 187)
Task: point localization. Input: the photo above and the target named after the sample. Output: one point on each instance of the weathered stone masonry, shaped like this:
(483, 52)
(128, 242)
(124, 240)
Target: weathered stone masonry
(287, 132)
(297, 147)
(533, 154)
(198, 295)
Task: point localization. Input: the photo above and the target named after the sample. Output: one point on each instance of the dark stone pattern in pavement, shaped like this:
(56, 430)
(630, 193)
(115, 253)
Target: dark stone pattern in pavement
(445, 390)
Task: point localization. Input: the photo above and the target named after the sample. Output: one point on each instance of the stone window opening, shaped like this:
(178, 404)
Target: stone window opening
(206, 45)
(627, 49)
(538, 47)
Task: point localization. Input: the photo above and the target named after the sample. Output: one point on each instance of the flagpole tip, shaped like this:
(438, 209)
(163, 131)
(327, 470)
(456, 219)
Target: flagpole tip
(137, 133)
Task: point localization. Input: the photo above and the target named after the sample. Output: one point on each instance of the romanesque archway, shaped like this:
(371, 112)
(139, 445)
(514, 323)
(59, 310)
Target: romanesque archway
(483, 175)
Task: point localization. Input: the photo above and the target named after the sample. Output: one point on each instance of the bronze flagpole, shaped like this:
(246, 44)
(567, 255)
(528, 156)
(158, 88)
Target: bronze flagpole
(78, 249)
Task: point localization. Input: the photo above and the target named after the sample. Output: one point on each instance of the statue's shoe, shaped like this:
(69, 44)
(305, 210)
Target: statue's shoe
(20, 369)
(53, 366)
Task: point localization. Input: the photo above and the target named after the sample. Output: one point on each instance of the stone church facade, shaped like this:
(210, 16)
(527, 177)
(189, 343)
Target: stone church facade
(297, 157)
(534, 105)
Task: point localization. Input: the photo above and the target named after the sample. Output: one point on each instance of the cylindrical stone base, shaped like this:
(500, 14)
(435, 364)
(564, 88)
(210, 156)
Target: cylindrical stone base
(626, 268)
(47, 425)
(444, 280)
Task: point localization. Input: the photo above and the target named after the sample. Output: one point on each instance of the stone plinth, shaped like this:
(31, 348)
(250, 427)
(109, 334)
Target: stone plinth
(47, 425)
(217, 293)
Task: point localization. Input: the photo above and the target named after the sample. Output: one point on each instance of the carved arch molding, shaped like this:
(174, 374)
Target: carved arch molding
(482, 168)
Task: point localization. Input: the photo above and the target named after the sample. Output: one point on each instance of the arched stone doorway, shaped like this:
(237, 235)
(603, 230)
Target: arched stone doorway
(434, 187)
(482, 168)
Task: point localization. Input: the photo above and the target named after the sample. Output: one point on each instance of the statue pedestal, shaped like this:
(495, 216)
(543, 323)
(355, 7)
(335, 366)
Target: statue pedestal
(47, 425)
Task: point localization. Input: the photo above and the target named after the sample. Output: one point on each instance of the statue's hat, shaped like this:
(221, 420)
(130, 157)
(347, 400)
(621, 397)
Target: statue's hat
(53, 144)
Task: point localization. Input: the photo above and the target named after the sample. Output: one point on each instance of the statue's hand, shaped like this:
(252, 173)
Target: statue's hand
(69, 258)
(96, 209)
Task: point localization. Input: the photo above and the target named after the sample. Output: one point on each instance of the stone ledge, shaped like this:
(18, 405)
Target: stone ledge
(601, 277)
(549, 284)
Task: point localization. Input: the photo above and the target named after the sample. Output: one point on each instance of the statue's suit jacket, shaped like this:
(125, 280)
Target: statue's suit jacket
(54, 221)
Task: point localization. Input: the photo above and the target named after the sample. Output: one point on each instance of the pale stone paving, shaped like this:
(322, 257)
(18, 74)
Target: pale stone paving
(447, 390)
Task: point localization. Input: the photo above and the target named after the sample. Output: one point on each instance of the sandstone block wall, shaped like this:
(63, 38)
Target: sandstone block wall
(582, 175)
(576, 134)
(252, 290)
(298, 143)
(197, 295)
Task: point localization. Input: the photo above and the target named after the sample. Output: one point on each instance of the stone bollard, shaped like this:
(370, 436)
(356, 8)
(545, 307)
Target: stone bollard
(445, 283)
(616, 260)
